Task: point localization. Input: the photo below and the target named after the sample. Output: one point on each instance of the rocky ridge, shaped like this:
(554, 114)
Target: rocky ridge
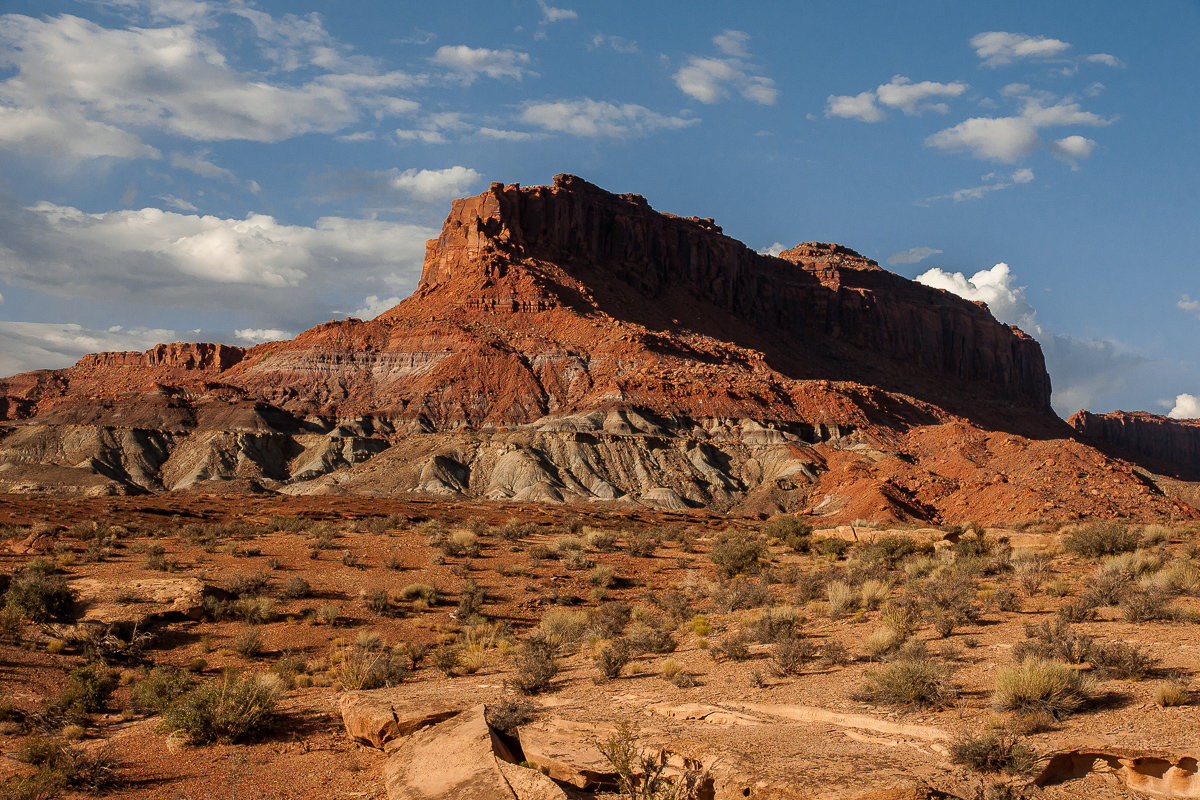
(1172, 446)
(566, 344)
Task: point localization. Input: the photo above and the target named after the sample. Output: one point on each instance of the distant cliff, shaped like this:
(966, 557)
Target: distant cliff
(1171, 445)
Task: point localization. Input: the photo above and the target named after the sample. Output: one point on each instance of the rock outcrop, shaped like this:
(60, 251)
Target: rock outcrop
(566, 344)
(1171, 446)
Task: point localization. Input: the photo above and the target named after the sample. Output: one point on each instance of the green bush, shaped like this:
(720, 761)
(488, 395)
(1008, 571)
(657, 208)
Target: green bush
(88, 690)
(793, 532)
(38, 596)
(161, 687)
(1102, 539)
(224, 710)
(737, 554)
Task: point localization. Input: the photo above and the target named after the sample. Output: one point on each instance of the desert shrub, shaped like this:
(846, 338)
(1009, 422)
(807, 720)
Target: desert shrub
(1143, 606)
(882, 642)
(376, 601)
(364, 668)
(256, 610)
(88, 690)
(1106, 587)
(639, 776)
(949, 594)
(790, 655)
(832, 546)
(62, 766)
(1101, 539)
(39, 596)
(1031, 571)
(641, 545)
(287, 524)
(609, 620)
(461, 543)
(737, 554)
(224, 710)
(296, 588)
(891, 549)
(248, 643)
(673, 672)
(470, 600)
(834, 653)
(873, 592)
(774, 624)
(739, 593)
(447, 660)
(1006, 600)
(1038, 684)
(603, 541)
(1121, 660)
(536, 666)
(793, 532)
(908, 683)
(1077, 611)
(603, 576)
(12, 623)
(843, 598)
(249, 585)
(613, 657)
(508, 716)
(328, 613)
(423, 591)
(653, 638)
(991, 751)
(563, 628)
(1135, 564)
(160, 687)
(809, 587)
(903, 617)
(734, 647)
(1054, 640)
(1172, 692)
(1181, 577)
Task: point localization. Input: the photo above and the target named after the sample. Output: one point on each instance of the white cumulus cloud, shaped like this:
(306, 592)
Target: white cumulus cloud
(467, 63)
(993, 286)
(79, 90)
(1007, 139)
(774, 250)
(913, 255)
(911, 97)
(710, 79)
(26, 346)
(272, 274)
(593, 118)
(860, 106)
(373, 306)
(1187, 406)
(260, 335)
(1072, 147)
(998, 48)
(1189, 305)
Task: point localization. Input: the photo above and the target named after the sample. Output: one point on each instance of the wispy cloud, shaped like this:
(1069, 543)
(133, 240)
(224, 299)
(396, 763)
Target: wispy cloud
(468, 63)
(710, 79)
(595, 118)
(913, 255)
(998, 48)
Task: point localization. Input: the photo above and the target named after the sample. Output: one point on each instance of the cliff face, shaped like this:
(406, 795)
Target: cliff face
(1170, 445)
(533, 249)
(566, 344)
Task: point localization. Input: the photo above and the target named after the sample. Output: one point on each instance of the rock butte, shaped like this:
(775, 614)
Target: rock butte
(566, 344)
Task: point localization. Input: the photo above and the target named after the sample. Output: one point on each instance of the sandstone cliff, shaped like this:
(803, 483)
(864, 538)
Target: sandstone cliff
(1172, 446)
(566, 344)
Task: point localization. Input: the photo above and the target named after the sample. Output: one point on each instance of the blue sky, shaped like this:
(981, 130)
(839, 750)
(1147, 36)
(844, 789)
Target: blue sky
(180, 170)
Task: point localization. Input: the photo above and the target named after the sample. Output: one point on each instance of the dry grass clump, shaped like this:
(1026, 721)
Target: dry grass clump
(1039, 684)
(905, 683)
(612, 658)
(1172, 692)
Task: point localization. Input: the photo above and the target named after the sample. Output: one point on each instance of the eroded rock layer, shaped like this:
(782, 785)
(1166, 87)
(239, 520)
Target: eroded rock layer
(566, 344)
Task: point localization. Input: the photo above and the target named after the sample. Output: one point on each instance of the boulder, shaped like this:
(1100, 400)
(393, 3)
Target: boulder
(461, 758)
(566, 751)
(377, 718)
